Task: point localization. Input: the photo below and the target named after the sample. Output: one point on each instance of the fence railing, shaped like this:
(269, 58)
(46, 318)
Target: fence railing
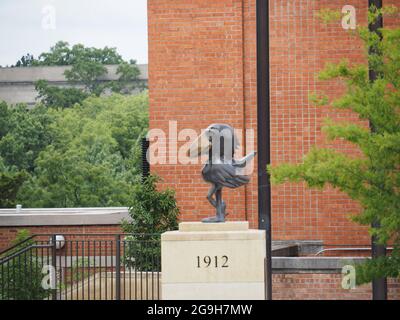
(82, 267)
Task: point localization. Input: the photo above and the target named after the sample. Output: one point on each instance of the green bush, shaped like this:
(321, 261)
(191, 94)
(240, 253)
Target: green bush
(153, 212)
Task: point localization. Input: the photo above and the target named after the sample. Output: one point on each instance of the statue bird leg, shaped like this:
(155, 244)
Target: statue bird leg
(218, 203)
(210, 194)
(221, 206)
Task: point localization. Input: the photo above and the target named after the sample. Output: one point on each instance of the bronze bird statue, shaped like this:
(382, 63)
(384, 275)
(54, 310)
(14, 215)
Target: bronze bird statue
(219, 142)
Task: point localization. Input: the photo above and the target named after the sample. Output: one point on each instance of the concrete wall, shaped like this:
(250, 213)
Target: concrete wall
(62, 216)
(17, 84)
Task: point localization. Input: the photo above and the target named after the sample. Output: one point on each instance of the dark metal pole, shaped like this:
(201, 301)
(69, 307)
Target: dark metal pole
(379, 286)
(263, 134)
(53, 264)
(145, 163)
(118, 267)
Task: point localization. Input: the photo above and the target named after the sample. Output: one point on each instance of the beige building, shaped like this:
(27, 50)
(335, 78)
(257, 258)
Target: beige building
(17, 85)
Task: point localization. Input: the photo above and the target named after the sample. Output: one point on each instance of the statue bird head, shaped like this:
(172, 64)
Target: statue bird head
(220, 139)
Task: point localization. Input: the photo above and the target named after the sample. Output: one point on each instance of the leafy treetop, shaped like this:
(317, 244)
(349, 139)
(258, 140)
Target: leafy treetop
(62, 55)
(87, 66)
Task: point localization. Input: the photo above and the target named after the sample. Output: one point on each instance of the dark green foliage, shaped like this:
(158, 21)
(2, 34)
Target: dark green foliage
(62, 55)
(93, 158)
(142, 252)
(10, 183)
(24, 135)
(379, 268)
(86, 155)
(26, 61)
(128, 80)
(21, 277)
(374, 178)
(153, 212)
(4, 116)
(87, 72)
(56, 97)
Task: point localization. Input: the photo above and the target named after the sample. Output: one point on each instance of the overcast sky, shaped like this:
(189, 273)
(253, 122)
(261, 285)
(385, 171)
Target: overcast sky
(35, 25)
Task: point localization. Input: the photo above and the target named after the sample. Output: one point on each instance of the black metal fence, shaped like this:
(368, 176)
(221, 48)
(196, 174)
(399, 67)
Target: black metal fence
(82, 267)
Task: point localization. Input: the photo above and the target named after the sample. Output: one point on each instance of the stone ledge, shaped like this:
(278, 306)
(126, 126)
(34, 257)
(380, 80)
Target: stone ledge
(304, 247)
(56, 73)
(312, 264)
(63, 217)
(213, 235)
(226, 226)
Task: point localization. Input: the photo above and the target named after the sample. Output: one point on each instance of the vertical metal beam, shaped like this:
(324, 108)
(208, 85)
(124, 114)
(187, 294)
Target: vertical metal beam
(118, 267)
(145, 164)
(54, 265)
(379, 286)
(263, 134)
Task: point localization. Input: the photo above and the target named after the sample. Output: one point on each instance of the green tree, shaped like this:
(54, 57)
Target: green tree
(128, 78)
(87, 67)
(26, 61)
(372, 179)
(10, 182)
(153, 212)
(62, 55)
(57, 97)
(24, 133)
(81, 177)
(4, 117)
(92, 160)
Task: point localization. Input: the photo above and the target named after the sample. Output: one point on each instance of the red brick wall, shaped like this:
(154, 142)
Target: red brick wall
(196, 77)
(300, 47)
(323, 286)
(202, 69)
(8, 234)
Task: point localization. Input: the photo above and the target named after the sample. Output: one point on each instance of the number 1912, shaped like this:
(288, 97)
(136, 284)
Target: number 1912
(216, 262)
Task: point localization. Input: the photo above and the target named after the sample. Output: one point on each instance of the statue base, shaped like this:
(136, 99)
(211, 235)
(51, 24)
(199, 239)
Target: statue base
(213, 261)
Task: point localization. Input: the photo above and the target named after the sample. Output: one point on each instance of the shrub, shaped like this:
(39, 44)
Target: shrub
(153, 212)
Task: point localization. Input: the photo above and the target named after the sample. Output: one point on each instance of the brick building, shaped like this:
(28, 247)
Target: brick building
(202, 70)
(74, 221)
(210, 49)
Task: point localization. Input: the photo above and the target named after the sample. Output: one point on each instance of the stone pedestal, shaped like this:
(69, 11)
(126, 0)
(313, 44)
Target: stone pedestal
(213, 261)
